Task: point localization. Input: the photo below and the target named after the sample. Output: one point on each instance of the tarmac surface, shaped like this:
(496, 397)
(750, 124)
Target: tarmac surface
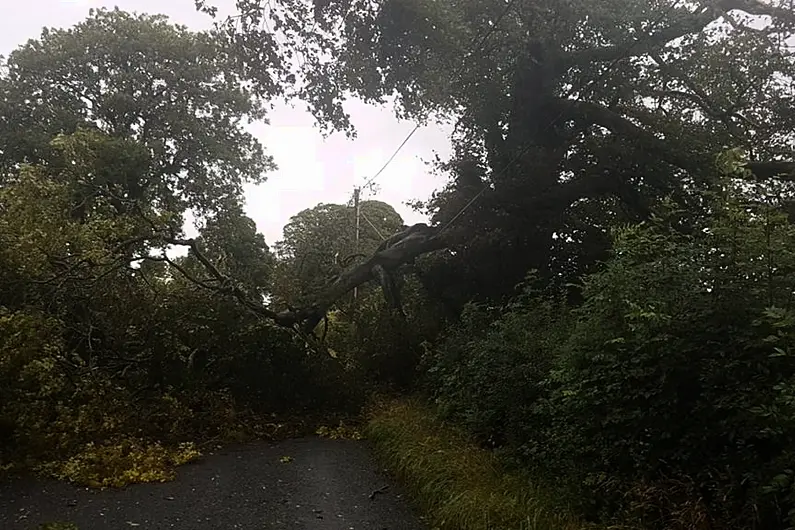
(324, 485)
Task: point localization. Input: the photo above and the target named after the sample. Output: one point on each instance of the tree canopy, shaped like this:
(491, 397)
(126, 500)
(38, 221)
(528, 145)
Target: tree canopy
(137, 78)
(320, 243)
(569, 116)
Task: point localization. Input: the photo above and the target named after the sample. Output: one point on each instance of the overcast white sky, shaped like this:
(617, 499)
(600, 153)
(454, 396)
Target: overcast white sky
(311, 169)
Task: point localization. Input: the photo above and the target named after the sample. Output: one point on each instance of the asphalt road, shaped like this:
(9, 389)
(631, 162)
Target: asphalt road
(328, 485)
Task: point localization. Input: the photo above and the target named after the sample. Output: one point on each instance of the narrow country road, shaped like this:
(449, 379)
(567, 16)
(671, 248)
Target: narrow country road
(328, 485)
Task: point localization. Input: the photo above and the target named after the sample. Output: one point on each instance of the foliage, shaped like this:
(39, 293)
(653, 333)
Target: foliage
(58, 526)
(374, 343)
(231, 241)
(319, 241)
(137, 78)
(340, 432)
(379, 345)
(106, 337)
(459, 485)
(122, 463)
(569, 116)
(663, 398)
(643, 371)
(493, 361)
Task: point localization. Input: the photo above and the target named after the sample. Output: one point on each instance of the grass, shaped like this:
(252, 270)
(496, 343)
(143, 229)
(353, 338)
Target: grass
(458, 485)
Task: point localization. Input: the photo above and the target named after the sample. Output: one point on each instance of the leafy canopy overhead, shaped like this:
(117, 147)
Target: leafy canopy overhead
(176, 93)
(570, 115)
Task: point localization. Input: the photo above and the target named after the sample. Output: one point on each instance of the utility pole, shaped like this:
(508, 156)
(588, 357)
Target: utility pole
(356, 192)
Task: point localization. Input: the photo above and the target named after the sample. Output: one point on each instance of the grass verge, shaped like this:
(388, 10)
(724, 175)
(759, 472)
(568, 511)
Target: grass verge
(458, 485)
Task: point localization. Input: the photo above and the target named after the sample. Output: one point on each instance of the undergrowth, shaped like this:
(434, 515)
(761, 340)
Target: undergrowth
(147, 443)
(124, 462)
(457, 484)
(340, 432)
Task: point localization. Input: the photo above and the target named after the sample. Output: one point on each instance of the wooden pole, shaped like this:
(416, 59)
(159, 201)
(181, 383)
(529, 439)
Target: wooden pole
(356, 206)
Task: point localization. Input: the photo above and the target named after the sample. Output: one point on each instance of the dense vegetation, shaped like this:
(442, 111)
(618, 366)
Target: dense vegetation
(612, 314)
(109, 342)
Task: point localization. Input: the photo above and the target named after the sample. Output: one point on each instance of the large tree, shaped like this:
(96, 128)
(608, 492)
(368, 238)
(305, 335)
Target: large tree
(121, 124)
(570, 115)
(177, 94)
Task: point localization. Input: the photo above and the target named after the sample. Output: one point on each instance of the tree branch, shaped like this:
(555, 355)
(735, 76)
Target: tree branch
(226, 284)
(700, 98)
(784, 170)
(710, 11)
(592, 113)
(188, 276)
(307, 318)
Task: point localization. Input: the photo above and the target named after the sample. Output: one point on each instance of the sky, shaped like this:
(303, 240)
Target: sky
(311, 169)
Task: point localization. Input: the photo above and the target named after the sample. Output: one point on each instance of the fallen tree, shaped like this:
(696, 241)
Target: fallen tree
(400, 249)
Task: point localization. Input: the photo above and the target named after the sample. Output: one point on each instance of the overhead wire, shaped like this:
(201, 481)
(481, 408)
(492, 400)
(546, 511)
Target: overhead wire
(377, 231)
(391, 158)
(473, 49)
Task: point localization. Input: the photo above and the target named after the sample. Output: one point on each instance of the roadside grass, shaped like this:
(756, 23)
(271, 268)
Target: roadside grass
(458, 485)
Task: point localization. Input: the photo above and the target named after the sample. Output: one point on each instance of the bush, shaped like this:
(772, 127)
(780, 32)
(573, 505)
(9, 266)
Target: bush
(493, 363)
(664, 399)
(378, 346)
(93, 349)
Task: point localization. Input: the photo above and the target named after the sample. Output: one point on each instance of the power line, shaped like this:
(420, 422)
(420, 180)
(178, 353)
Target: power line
(527, 147)
(391, 158)
(474, 49)
(369, 222)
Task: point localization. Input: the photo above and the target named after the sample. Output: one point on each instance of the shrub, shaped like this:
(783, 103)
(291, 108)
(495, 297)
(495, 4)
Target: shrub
(492, 364)
(378, 346)
(665, 398)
